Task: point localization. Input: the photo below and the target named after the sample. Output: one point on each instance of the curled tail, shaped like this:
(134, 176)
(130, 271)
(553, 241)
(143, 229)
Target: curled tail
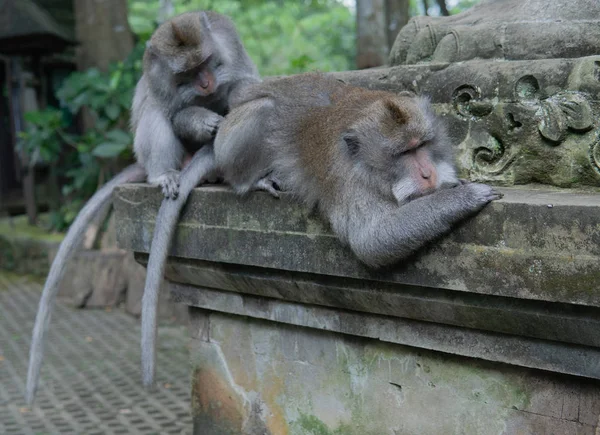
(67, 249)
(200, 168)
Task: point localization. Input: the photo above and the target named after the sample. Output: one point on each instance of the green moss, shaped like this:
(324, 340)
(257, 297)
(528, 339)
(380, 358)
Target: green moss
(18, 227)
(21, 279)
(25, 248)
(311, 425)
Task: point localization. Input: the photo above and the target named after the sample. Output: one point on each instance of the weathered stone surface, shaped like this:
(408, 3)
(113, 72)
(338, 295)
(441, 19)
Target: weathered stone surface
(539, 245)
(95, 279)
(516, 284)
(510, 349)
(502, 29)
(559, 322)
(297, 380)
(168, 311)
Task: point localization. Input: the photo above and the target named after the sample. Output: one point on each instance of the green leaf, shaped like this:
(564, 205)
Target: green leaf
(119, 136)
(109, 150)
(113, 111)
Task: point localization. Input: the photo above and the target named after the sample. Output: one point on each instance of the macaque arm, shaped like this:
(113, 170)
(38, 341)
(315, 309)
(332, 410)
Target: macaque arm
(196, 124)
(381, 235)
(68, 247)
(158, 150)
(201, 166)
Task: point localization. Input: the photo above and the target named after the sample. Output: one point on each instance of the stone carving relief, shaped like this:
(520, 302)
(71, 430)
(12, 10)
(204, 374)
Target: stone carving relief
(502, 29)
(519, 84)
(500, 132)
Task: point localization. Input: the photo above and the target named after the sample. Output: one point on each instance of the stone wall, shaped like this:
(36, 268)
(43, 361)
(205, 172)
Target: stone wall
(493, 329)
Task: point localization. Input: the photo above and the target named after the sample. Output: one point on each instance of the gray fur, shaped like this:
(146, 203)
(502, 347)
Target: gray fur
(167, 110)
(293, 130)
(199, 169)
(67, 249)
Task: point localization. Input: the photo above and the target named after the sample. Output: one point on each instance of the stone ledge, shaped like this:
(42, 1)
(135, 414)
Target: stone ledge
(537, 354)
(516, 284)
(533, 244)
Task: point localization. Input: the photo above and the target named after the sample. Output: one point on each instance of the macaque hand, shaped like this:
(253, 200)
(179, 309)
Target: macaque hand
(480, 194)
(211, 123)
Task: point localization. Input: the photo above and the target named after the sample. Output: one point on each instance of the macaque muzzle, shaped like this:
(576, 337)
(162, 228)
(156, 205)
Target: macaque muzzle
(205, 83)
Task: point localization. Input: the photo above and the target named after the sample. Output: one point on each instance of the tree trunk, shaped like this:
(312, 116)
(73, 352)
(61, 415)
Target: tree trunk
(443, 8)
(103, 32)
(397, 17)
(372, 37)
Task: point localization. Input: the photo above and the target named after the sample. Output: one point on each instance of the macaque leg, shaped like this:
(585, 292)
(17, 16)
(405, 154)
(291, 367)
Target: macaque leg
(187, 158)
(196, 124)
(380, 235)
(159, 151)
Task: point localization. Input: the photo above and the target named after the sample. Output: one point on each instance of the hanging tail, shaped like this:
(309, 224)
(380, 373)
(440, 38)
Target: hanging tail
(67, 249)
(200, 168)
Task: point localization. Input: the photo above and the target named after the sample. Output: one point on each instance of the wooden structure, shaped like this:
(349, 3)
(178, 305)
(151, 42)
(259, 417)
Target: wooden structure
(30, 41)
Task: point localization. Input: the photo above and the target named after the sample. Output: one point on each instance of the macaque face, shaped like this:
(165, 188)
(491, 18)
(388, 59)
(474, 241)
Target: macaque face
(201, 79)
(194, 59)
(405, 148)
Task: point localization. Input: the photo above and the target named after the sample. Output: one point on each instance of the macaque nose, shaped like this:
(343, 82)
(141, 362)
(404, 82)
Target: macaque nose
(426, 173)
(203, 80)
(413, 143)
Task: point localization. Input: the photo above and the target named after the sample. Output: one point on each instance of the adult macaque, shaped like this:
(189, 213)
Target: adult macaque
(377, 165)
(194, 65)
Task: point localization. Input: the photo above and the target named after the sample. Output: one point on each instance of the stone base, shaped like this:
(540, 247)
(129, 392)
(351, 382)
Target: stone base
(252, 376)
(102, 279)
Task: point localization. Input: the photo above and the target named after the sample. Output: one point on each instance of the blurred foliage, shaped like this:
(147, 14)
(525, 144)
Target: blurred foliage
(281, 36)
(87, 160)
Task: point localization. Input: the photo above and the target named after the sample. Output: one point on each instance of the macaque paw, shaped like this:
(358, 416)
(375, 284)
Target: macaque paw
(169, 182)
(212, 122)
(483, 193)
(268, 184)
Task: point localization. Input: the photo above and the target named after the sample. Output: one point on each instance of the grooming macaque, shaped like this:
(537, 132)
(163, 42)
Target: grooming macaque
(194, 66)
(377, 165)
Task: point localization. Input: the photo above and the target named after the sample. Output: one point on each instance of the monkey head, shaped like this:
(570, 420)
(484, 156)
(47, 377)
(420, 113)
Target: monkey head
(187, 45)
(403, 147)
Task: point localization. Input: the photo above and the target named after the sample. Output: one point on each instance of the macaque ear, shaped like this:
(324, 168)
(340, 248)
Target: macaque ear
(352, 142)
(397, 113)
(177, 34)
(204, 23)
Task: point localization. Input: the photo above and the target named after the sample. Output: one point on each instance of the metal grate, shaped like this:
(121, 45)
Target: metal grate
(90, 381)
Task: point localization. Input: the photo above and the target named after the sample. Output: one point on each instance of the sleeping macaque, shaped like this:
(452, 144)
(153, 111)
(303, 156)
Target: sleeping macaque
(378, 166)
(194, 67)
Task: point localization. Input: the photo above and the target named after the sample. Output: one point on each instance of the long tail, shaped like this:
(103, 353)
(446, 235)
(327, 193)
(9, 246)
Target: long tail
(67, 249)
(201, 165)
